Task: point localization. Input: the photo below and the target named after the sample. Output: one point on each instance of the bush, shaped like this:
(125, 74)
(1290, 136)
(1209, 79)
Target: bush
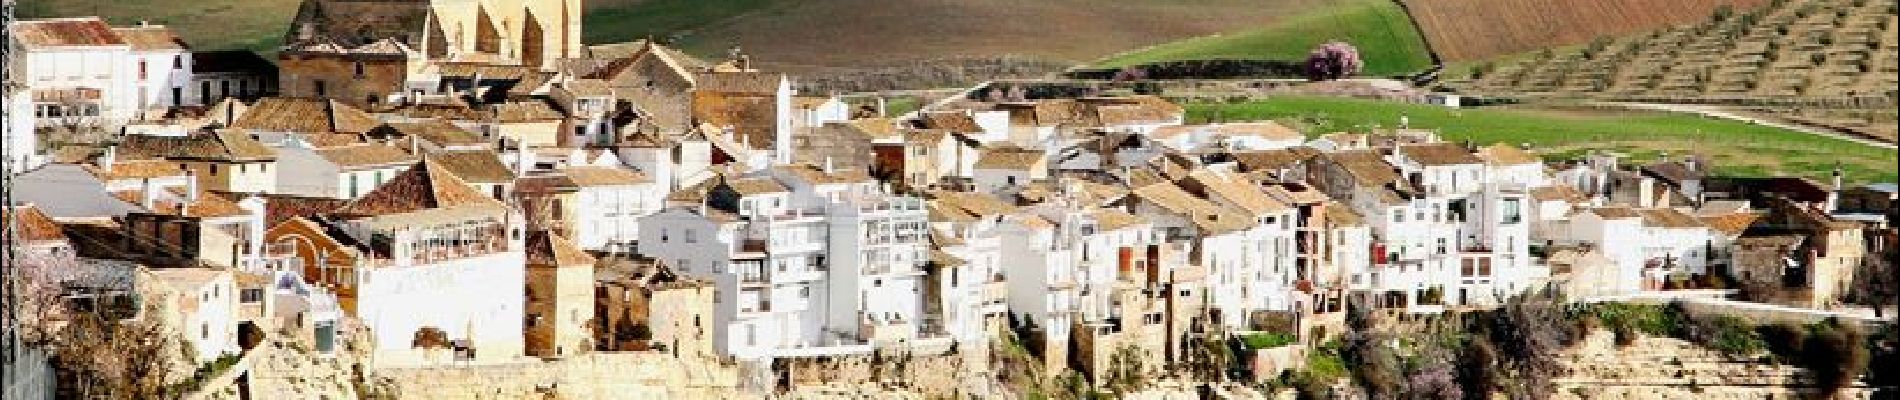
(1784, 340)
(1835, 353)
(1266, 340)
(1733, 336)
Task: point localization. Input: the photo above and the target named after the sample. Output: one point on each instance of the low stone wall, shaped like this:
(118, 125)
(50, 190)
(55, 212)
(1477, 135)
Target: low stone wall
(1665, 368)
(628, 375)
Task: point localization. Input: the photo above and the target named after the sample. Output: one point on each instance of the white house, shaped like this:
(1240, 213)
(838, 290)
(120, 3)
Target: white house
(78, 70)
(162, 67)
(202, 304)
(608, 204)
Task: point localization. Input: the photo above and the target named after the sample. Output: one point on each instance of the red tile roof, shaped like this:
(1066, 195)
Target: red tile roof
(89, 31)
(424, 186)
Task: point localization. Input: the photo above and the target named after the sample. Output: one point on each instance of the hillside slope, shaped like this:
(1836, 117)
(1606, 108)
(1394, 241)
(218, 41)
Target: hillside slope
(1473, 29)
(206, 24)
(1378, 28)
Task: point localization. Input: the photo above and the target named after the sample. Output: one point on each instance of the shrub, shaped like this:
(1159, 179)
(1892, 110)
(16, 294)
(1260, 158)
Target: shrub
(1731, 335)
(1333, 60)
(1835, 353)
(1266, 340)
(1784, 340)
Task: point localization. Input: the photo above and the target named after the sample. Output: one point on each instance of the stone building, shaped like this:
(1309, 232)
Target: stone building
(370, 51)
(560, 293)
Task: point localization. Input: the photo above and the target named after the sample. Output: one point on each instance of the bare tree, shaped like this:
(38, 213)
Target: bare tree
(104, 344)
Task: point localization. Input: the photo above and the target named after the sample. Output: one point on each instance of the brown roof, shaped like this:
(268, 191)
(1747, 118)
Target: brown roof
(1615, 212)
(281, 207)
(1439, 154)
(951, 121)
(971, 203)
(207, 205)
(1732, 224)
(1204, 214)
(818, 176)
(1009, 158)
(754, 186)
(474, 166)
(1557, 193)
(876, 128)
(88, 31)
(1341, 215)
(603, 176)
(1503, 154)
(152, 38)
(524, 111)
(760, 83)
(548, 249)
(439, 132)
(424, 186)
(226, 145)
(454, 111)
(34, 226)
(1107, 219)
(138, 169)
(283, 114)
(363, 156)
(1670, 218)
(1367, 167)
(1244, 194)
(589, 88)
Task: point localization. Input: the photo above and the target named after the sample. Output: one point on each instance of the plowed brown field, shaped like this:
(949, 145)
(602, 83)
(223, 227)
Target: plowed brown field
(1474, 29)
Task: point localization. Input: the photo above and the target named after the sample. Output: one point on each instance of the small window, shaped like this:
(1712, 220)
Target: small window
(360, 71)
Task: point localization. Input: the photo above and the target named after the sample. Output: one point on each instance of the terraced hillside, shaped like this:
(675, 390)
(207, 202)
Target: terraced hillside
(1815, 49)
(1477, 29)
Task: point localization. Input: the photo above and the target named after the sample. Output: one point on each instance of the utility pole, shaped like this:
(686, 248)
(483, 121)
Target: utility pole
(9, 296)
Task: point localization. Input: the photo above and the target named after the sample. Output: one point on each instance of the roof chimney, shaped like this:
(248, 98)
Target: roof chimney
(829, 167)
(111, 157)
(147, 196)
(191, 186)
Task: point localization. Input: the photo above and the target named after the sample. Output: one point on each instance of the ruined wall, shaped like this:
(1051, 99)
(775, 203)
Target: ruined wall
(636, 375)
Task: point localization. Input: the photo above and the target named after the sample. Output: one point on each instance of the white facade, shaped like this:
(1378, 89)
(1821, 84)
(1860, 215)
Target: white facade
(609, 216)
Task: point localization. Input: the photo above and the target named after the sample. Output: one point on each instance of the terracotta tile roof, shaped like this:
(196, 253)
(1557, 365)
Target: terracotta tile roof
(589, 88)
(603, 176)
(152, 38)
(1341, 215)
(753, 186)
(281, 207)
(1557, 193)
(809, 102)
(1503, 154)
(1108, 219)
(548, 249)
(328, 140)
(1672, 171)
(1243, 194)
(1096, 193)
(138, 169)
(1204, 214)
(89, 31)
(439, 132)
(174, 201)
(34, 226)
(455, 111)
(817, 176)
(948, 120)
(1669, 218)
(1615, 212)
(474, 166)
(753, 118)
(1731, 224)
(524, 111)
(363, 156)
(424, 186)
(1439, 154)
(283, 114)
(971, 203)
(876, 128)
(1009, 158)
(755, 83)
(226, 145)
(1367, 167)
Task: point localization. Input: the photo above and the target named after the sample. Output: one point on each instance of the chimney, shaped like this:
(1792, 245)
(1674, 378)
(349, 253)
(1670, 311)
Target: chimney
(147, 196)
(111, 157)
(1646, 192)
(521, 159)
(828, 166)
(191, 186)
(1834, 192)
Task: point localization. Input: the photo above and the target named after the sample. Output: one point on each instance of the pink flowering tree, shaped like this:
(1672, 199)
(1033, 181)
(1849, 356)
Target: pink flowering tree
(1333, 60)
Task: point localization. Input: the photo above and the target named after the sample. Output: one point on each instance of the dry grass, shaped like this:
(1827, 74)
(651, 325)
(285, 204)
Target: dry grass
(1474, 29)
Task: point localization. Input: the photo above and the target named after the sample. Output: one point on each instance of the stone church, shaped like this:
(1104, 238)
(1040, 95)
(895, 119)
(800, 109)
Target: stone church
(365, 52)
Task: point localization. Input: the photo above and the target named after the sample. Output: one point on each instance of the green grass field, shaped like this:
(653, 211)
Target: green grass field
(1736, 148)
(1385, 38)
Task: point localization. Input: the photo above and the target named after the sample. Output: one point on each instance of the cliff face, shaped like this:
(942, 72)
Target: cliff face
(1665, 368)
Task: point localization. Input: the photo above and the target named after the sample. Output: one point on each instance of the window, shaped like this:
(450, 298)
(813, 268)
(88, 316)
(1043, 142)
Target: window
(664, 237)
(1398, 217)
(1511, 213)
(322, 88)
(692, 236)
(214, 169)
(141, 70)
(204, 91)
(178, 62)
(359, 69)
(251, 295)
